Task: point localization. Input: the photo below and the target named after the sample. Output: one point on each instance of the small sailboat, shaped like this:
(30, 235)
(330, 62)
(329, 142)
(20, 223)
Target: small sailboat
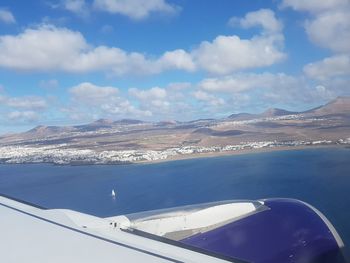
(113, 194)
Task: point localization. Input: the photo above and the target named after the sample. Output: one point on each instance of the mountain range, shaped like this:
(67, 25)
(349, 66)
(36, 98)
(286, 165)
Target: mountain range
(328, 122)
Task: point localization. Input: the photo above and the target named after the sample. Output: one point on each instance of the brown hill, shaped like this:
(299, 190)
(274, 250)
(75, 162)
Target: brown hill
(340, 105)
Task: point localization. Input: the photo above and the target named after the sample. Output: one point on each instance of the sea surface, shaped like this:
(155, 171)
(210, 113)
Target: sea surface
(320, 177)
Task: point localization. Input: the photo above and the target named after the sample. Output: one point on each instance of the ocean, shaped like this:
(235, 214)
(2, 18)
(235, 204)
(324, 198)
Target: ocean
(320, 177)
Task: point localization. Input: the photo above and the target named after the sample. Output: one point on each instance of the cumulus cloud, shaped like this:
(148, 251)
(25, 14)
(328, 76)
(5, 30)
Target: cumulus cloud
(170, 102)
(210, 99)
(261, 90)
(247, 81)
(91, 94)
(125, 109)
(314, 5)
(24, 102)
(56, 49)
(79, 7)
(61, 49)
(99, 101)
(227, 54)
(153, 98)
(29, 102)
(178, 59)
(323, 93)
(329, 26)
(179, 85)
(337, 65)
(135, 9)
(331, 30)
(23, 116)
(153, 93)
(22, 109)
(264, 17)
(7, 17)
(2, 99)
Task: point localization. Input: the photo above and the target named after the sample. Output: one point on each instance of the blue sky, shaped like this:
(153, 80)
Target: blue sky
(66, 62)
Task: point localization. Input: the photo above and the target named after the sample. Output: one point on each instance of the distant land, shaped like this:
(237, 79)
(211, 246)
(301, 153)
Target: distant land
(128, 141)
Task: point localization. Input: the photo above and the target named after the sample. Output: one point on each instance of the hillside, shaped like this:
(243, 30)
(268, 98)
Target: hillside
(132, 140)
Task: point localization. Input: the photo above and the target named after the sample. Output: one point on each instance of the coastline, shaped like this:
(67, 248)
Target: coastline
(239, 152)
(190, 156)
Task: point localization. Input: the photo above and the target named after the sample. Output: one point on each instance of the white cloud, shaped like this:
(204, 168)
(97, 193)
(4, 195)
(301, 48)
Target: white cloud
(245, 82)
(76, 6)
(331, 30)
(61, 49)
(2, 99)
(267, 89)
(23, 116)
(227, 54)
(229, 84)
(126, 109)
(264, 17)
(177, 59)
(172, 102)
(314, 5)
(337, 86)
(337, 65)
(7, 17)
(99, 101)
(329, 26)
(25, 102)
(208, 98)
(24, 109)
(56, 49)
(323, 93)
(58, 21)
(135, 9)
(91, 94)
(179, 85)
(150, 94)
(114, 59)
(153, 99)
(108, 100)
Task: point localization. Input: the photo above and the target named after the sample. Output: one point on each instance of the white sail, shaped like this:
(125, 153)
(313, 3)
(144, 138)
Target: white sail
(113, 193)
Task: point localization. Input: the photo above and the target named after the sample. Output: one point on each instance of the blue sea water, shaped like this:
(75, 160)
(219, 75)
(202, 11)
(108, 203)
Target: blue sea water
(320, 177)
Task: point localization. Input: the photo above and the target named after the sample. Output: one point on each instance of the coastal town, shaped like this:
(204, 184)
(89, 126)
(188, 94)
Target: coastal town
(60, 154)
(133, 141)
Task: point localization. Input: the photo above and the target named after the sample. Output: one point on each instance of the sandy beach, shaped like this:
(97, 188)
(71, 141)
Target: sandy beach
(239, 152)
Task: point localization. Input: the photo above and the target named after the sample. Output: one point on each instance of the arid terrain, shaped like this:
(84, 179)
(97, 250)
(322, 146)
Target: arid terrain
(107, 141)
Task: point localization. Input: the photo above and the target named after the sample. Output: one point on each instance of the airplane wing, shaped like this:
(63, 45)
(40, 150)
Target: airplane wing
(272, 230)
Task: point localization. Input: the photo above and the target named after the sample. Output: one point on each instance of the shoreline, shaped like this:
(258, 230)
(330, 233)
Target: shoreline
(194, 156)
(240, 152)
